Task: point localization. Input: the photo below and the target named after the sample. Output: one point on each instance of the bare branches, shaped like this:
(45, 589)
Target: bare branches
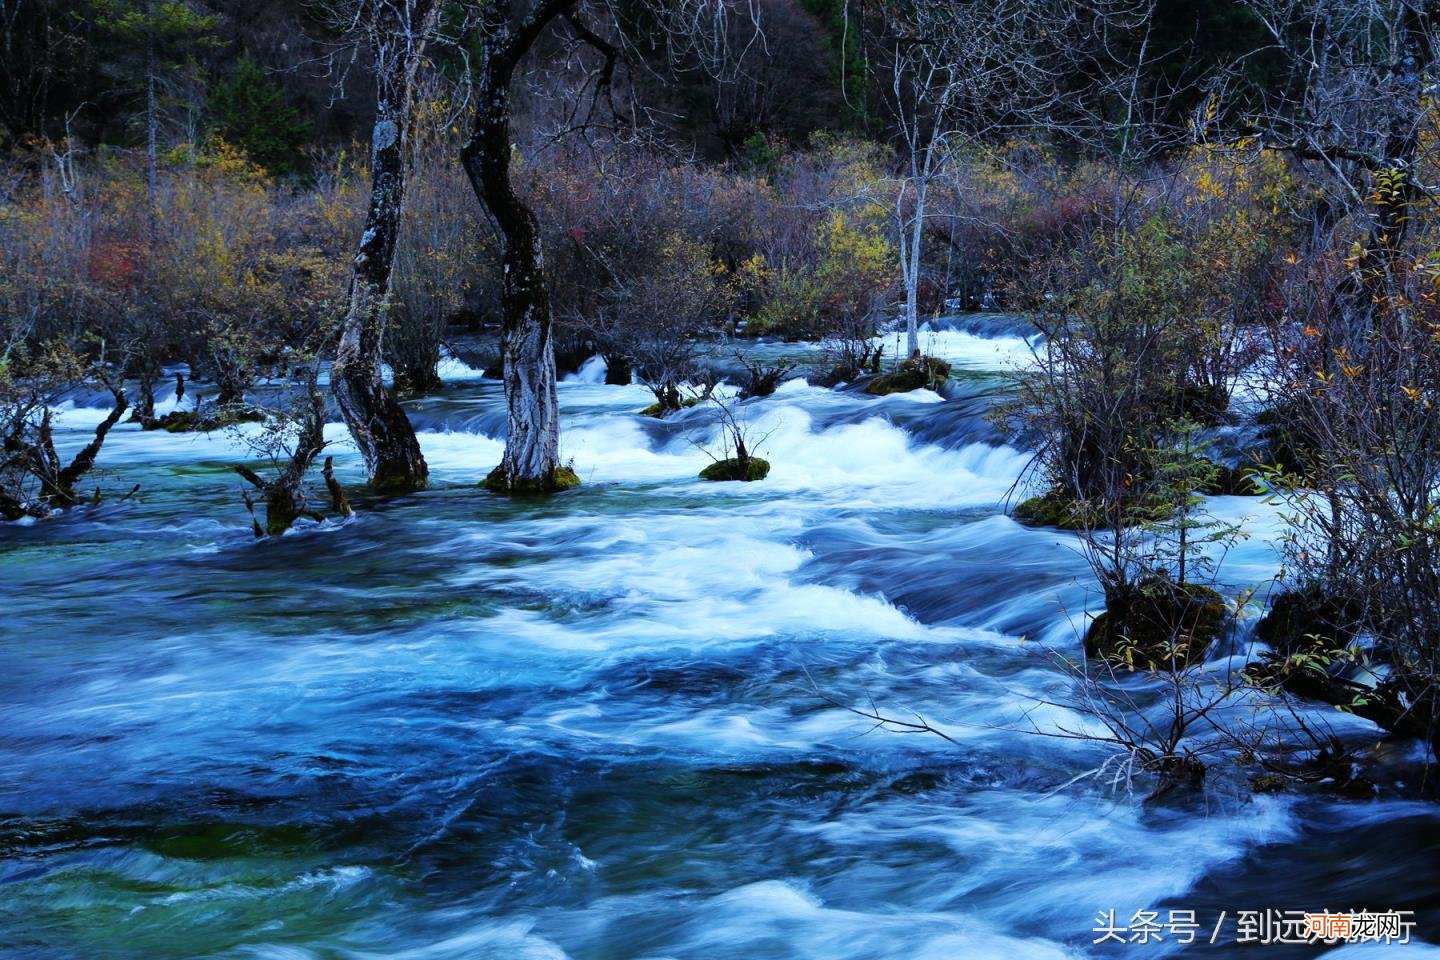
(34, 481)
(291, 440)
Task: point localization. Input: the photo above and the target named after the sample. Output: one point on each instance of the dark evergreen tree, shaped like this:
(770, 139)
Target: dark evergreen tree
(250, 110)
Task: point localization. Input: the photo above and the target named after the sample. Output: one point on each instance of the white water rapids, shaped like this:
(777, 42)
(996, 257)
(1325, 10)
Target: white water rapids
(608, 724)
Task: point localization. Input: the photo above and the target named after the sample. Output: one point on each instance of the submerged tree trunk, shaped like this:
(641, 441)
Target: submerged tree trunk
(144, 413)
(378, 423)
(21, 457)
(531, 463)
(285, 499)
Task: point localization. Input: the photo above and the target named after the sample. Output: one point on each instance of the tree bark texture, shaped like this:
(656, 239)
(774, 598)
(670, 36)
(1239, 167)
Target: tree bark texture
(377, 422)
(531, 463)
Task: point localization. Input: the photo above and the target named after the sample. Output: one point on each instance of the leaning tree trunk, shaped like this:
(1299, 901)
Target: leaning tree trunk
(531, 463)
(377, 422)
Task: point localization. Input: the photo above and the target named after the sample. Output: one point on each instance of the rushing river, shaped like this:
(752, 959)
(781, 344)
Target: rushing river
(608, 725)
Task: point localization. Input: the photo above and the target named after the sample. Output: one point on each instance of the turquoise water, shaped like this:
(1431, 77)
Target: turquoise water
(606, 725)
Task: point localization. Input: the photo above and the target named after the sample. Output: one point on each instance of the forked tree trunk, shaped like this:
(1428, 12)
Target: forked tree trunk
(377, 422)
(531, 463)
(285, 499)
(22, 458)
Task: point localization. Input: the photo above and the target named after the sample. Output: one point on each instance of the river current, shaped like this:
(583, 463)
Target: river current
(611, 724)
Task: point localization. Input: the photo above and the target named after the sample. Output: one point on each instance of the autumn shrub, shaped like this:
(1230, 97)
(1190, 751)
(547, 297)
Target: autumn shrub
(824, 265)
(837, 292)
(655, 314)
(56, 251)
(1358, 377)
(247, 267)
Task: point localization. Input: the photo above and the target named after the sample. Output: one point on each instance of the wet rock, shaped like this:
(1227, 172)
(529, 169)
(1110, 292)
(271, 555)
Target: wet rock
(195, 421)
(1314, 656)
(1289, 442)
(1307, 619)
(912, 374)
(659, 410)
(1206, 404)
(564, 478)
(752, 468)
(1051, 509)
(1058, 509)
(1269, 783)
(1157, 624)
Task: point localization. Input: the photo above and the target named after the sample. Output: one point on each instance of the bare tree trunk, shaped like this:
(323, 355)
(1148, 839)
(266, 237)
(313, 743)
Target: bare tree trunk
(152, 134)
(531, 463)
(911, 265)
(920, 145)
(378, 423)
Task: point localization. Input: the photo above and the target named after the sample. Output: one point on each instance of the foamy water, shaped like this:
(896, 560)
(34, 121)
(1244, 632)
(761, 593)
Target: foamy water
(609, 724)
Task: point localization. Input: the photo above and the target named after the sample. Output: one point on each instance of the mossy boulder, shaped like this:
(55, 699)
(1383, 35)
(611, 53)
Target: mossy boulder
(912, 374)
(1314, 636)
(195, 421)
(751, 468)
(1205, 404)
(498, 481)
(659, 411)
(1289, 442)
(1051, 509)
(1307, 630)
(1269, 783)
(1056, 508)
(1306, 619)
(1157, 624)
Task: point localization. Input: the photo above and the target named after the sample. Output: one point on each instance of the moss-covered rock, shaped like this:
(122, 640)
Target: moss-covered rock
(195, 421)
(1057, 509)
(1202, 403)
(1269, 783)
(1306, 619)
(498, 481)
(1289, 443)
(1157, 624)
(1051, 509)
(659, 411)
(912, 374)
(1308, 631)
(752, 468)
(1315, 656)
